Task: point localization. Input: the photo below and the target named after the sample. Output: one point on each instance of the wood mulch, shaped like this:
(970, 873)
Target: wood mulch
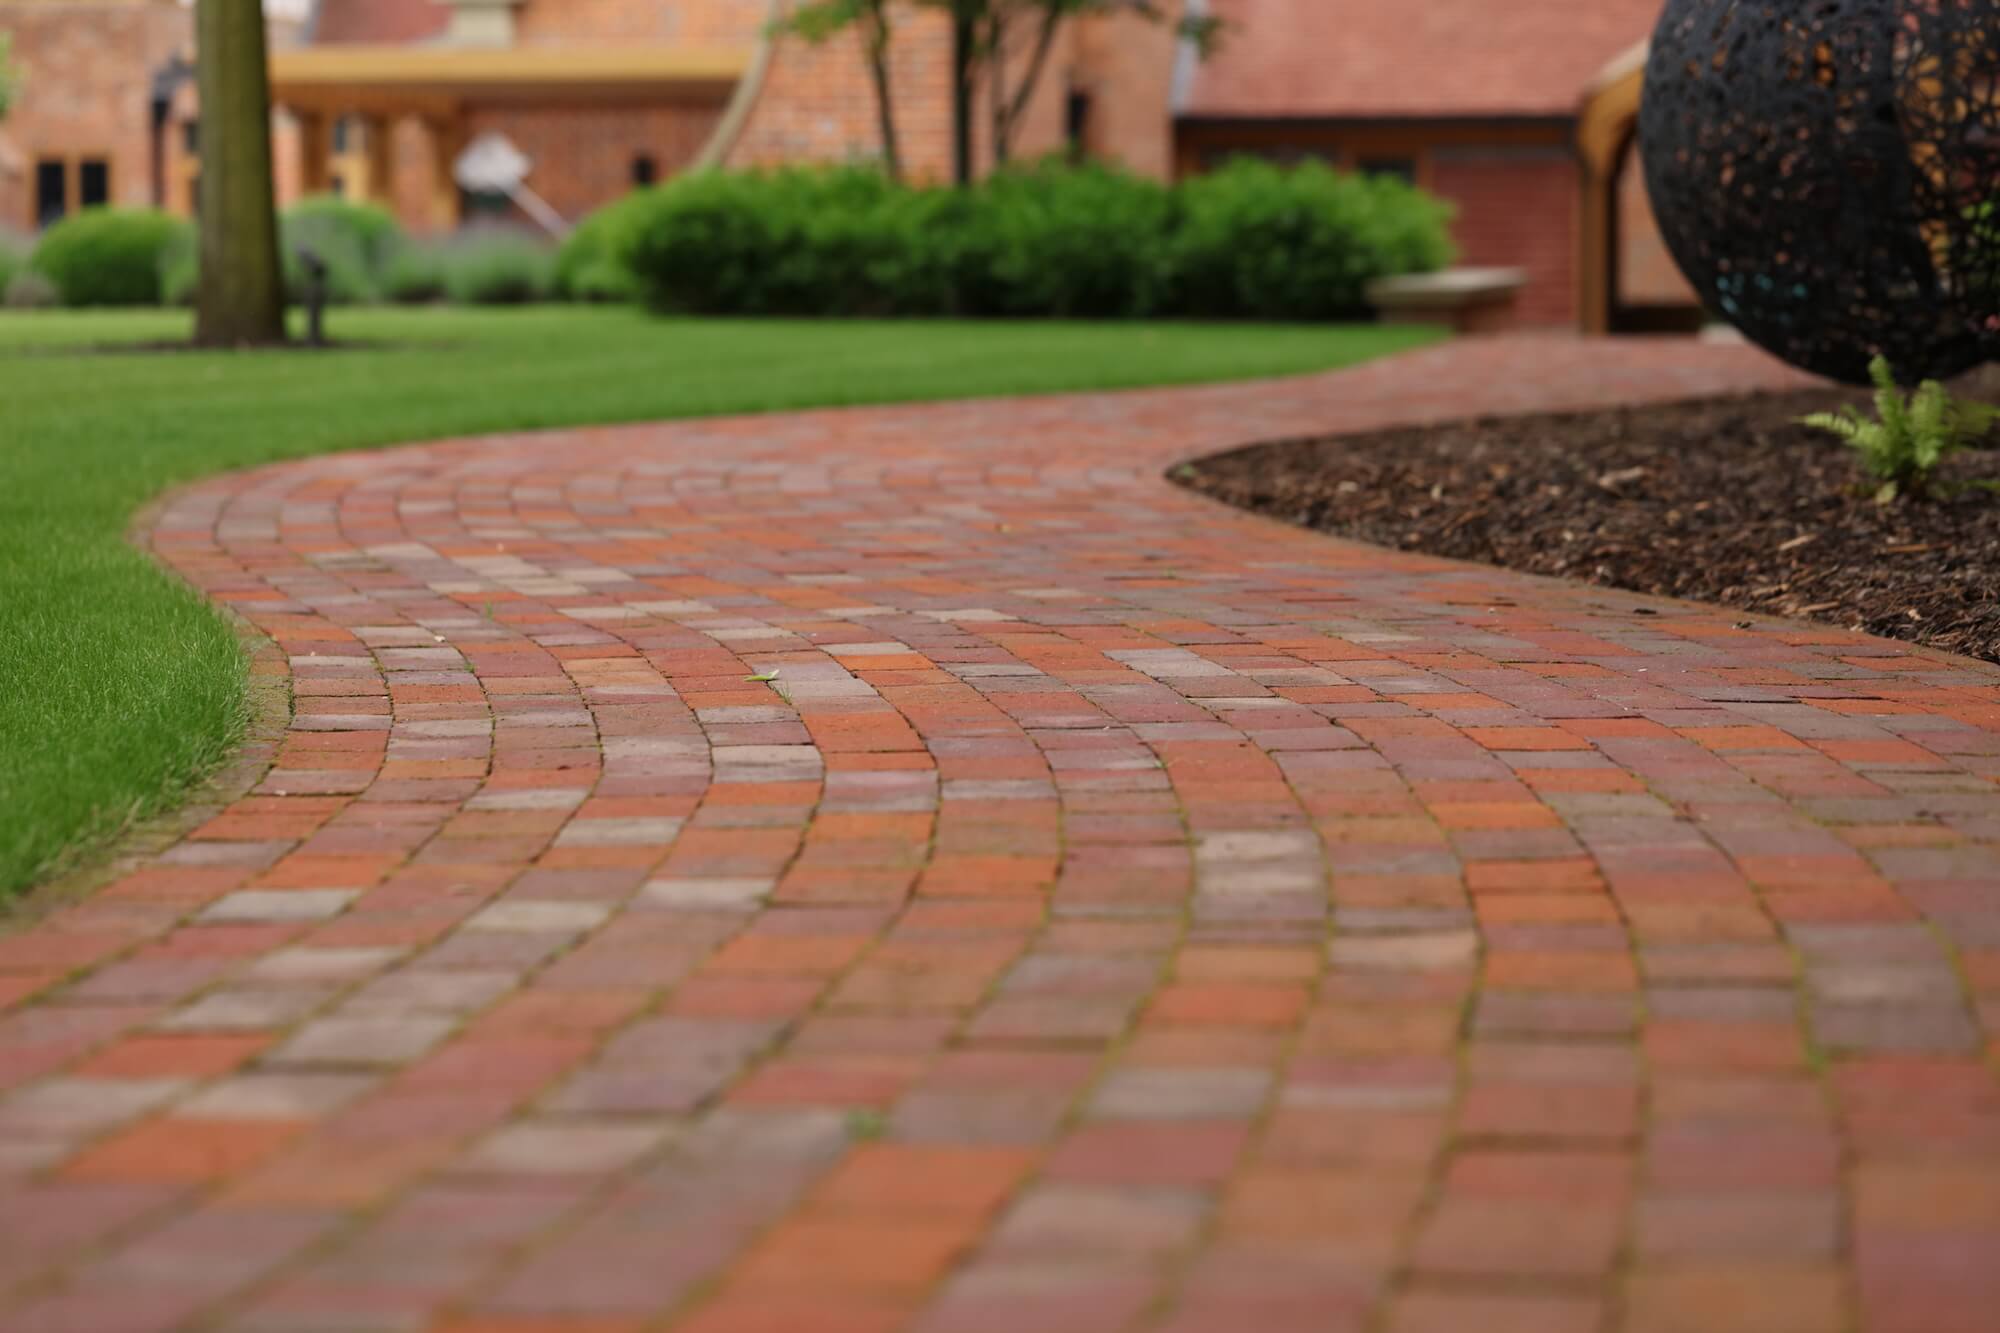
(1727, 501)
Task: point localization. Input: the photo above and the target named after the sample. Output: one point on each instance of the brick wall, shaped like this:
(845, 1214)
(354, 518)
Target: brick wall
(1647, 273)
(688, 22)
(1516, 187)
(414, 176)
(1517, 208)
(86, 93)
(818, 103)
(180, 170)
(583, 155)
(1126, 65)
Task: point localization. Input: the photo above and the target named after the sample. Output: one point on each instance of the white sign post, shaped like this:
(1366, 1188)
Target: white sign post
(491, 164)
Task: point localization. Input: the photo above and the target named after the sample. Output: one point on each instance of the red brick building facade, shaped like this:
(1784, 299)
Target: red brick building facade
(1478, 101)
(81, 131)
(105, 93)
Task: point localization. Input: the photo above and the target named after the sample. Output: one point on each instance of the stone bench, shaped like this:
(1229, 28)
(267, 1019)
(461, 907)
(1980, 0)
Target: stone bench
(1469, 300)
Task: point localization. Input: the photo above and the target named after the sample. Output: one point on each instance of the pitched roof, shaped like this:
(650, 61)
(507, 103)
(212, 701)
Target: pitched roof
(1411, 58)
(340, 21)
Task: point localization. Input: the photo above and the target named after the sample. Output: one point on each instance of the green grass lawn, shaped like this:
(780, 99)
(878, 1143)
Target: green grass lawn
(119, 686)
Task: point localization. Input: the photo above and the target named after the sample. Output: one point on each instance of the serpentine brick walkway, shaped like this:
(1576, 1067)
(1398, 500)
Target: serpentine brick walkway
(915, 869)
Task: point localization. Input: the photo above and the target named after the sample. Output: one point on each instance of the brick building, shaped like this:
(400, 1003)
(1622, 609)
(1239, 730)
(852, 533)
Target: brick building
(1480, 101)
(106, 89)
(82, 129)
(1519, 112)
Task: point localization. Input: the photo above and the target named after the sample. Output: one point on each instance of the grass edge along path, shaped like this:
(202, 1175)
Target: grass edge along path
(120, 687)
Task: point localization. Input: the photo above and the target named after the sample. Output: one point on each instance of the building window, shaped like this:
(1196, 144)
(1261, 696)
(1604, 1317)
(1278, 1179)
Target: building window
(343, 133)
(1076, 124)
(93, 183)
(191, 137)
(1402, 168)
(645, 170)
(51, 191)
(475, 206)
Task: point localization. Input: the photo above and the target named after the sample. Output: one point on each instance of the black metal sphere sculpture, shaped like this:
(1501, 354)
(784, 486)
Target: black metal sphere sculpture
(1827, 174)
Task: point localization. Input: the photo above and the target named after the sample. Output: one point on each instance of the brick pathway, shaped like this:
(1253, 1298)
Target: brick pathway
(914, 869)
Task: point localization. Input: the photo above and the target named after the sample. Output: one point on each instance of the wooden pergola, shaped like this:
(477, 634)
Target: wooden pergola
(1604, 134)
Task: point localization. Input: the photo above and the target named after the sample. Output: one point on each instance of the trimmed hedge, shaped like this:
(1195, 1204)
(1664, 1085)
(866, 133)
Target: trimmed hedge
(369, 259)
(1259, 242)
(588, 266)
(498, 266)
(791, 242)
(356, 242)
(370, 231)
(105, 256)
(29, 290)
(1251, 241)
(416, 274)
(14, 253)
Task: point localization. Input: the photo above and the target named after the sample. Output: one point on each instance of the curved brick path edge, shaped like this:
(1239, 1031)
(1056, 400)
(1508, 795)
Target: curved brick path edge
(1102, 911)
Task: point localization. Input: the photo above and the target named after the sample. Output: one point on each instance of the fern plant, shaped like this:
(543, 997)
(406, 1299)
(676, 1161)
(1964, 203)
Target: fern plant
(1909, 437)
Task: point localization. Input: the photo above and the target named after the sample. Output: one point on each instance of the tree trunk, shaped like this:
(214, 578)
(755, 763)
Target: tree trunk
(1008, 118)
(964, 67)
(878, 37)
(241, 300)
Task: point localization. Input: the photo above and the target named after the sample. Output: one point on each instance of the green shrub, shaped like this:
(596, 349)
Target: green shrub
(356, 242)
(1257, 241)
(1254, 241)
(498, 266)
(1065, 241)
(13, 256)
(489, 267)
(796, 242)
(349, 279)
(105, 256)
(416, 274)
(29, 290)
(588, 267)
(180, 270)
(839, 243)
(370, 230)
(1043, 241)
(939, 256)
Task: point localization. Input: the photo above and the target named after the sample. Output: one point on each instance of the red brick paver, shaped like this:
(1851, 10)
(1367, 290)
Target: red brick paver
(916, 871)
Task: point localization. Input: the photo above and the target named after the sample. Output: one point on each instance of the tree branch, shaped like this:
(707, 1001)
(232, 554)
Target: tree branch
(1045, 40)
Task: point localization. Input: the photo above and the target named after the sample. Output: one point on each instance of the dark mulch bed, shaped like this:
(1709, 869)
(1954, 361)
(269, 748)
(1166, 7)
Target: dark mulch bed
(1726, 501)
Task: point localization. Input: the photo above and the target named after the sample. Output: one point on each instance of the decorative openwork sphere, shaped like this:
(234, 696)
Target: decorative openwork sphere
(1827, 174)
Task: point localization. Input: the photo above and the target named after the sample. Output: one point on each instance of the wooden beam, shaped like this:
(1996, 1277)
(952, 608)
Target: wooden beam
(448, 138)
(412, 78)
(1603, 130)
(379, 180)
(315, 150)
